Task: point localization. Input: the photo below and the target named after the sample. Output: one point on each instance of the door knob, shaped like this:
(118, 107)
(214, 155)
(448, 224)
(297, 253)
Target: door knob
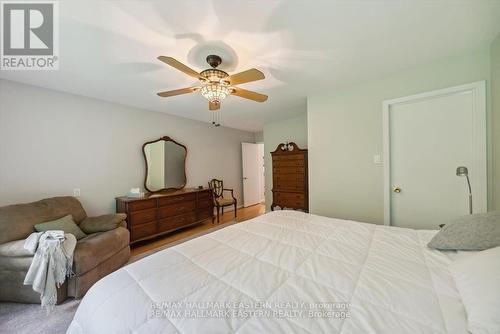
(245, 178)
(396, 189)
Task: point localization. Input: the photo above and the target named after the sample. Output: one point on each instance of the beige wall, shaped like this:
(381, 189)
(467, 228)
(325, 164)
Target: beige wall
(495, 127)
(259, 137)
(291, 130)
(345, 132)
(52, 142)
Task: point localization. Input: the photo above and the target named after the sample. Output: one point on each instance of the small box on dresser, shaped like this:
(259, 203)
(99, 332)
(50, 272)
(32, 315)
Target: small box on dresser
(161, 213)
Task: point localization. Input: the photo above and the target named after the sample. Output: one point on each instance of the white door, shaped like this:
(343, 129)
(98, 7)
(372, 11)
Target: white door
(427, 137)
(251, 162)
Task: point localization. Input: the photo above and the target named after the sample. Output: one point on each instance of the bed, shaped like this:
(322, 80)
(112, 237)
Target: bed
(293, 272)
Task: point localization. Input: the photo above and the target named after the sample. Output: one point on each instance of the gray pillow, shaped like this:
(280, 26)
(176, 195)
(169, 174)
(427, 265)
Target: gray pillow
(474, 232)
(66, 224)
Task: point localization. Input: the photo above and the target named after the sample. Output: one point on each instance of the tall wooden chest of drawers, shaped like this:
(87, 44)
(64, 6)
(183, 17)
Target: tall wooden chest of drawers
(161, 213)
(290, 181)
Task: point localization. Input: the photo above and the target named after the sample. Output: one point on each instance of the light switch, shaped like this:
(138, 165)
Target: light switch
(376, 159)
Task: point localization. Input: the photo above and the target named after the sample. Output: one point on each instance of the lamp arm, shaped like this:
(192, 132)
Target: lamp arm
(468, 183)
(470, 195)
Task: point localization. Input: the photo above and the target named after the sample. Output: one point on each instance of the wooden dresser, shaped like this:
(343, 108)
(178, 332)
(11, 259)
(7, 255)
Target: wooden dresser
(165, 212)
(290, 181)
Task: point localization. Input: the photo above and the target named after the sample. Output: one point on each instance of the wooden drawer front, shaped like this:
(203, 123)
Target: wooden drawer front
(292, 178)
(205, 203)
(144, 230)
(290, 200)
(290, 203)
(205, 194)
(142, 205)
(205, 213)
(289, 187)
(162, 201)
(288, 196)
(288, 163)
(288, 157)
(142, 217)
(176, 209)
(176, 222)
(289, 170)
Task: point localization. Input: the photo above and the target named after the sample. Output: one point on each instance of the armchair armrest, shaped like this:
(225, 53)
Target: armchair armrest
(231, 191)
(102, 223)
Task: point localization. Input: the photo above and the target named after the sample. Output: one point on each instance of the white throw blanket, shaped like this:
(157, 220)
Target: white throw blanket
(51, 264)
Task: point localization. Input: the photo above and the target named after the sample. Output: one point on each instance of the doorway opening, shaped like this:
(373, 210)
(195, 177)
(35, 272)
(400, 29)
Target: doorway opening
(253, 173)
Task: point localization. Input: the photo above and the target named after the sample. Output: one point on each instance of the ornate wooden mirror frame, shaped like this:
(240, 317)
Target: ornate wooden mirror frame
(166, 139)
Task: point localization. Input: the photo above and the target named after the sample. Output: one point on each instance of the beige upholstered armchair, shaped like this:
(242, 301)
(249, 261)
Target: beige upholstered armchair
(219, 200)
(102, 251)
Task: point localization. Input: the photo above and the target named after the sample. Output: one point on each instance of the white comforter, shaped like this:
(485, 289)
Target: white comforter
(392, 282)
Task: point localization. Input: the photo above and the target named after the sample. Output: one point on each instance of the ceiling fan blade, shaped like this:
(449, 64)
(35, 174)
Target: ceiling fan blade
(180, 66)
(181, 91)
(248, 94)
(245, 76)
(213, 106)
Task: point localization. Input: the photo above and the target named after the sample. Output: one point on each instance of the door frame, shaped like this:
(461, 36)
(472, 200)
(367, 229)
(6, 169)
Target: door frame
(479, 130)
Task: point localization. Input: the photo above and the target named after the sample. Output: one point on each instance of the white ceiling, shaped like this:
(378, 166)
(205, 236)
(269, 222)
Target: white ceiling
(109, 48)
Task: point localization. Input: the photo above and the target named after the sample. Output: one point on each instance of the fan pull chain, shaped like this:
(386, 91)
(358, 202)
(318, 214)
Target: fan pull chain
(216, 118)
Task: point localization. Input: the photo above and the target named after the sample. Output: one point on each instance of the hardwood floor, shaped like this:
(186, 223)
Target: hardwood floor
(243, 214)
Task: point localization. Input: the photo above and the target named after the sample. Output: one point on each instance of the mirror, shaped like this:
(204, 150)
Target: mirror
(165, 165)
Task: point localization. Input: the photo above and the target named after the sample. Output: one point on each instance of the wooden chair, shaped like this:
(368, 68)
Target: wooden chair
(219, 200)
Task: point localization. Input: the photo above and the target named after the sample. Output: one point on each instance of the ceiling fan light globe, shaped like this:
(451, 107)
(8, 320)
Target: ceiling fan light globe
(215, 92)
(214, 75)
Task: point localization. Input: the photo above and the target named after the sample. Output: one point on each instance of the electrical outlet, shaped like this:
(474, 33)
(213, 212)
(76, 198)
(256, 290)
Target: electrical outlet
(76, 192)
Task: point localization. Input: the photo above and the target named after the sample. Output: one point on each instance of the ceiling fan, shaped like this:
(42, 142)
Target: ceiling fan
(215, 84)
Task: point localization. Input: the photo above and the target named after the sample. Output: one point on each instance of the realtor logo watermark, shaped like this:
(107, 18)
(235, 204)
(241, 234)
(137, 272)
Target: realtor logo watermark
(30, 35)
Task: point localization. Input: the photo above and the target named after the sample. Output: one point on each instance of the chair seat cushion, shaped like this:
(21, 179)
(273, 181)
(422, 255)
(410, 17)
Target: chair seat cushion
(14, 249)
(15, 263)
(97, 248)
(13, 256)
(224, 201)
